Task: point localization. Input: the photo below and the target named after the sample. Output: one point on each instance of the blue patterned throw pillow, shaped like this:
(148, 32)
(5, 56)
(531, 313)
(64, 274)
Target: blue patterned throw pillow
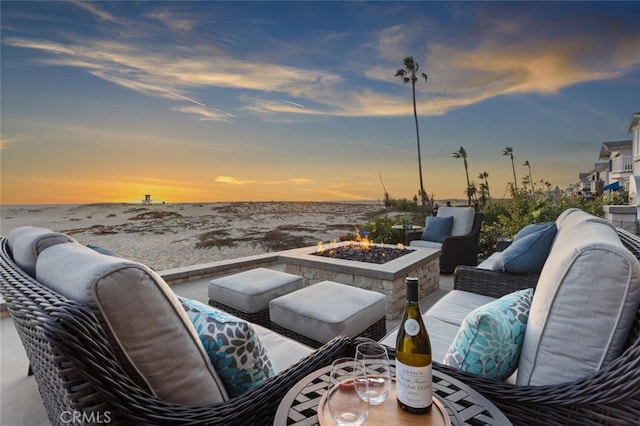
(489, 340)
(233, 346)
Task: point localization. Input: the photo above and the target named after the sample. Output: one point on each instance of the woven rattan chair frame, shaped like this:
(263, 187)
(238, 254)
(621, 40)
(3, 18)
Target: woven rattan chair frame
(76, 369)
(610, 396)
(460, 250)
(260, 317)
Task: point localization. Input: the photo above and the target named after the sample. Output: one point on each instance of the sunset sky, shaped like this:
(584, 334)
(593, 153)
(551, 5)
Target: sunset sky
(269, 101)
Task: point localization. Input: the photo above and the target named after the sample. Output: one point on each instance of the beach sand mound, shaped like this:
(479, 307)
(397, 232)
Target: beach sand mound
(165, 236)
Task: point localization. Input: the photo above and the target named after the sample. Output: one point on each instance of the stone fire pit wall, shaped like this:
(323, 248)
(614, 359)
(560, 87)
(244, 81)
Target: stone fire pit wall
(388, 278)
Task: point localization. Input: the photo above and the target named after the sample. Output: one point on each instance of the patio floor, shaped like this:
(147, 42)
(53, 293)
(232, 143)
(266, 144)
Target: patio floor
(20, 403)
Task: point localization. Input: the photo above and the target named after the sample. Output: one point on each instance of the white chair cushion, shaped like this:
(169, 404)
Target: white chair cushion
(441, 335)
(463, 218)
(454, 306)
(27, 242)
(584, 304)
(492, 263)
(150, 331)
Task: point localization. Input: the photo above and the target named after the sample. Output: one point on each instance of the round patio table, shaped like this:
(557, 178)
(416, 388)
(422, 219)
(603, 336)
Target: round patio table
(464, 405)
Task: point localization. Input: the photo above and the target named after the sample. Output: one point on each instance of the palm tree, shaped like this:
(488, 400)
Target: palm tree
(461, 153)
(408, 75)
(471, 192)
(509, 152)
(484, 176)
(526, 163)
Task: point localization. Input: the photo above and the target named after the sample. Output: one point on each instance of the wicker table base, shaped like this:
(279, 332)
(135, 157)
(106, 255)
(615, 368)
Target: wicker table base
(464, 406)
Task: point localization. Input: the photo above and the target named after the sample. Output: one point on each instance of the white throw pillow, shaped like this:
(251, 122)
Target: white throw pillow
(463, 218)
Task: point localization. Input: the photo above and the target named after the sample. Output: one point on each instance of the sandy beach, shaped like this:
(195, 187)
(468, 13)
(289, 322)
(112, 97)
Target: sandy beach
(165, 236)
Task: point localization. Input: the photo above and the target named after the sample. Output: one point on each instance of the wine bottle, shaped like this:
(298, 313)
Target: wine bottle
(413, 356)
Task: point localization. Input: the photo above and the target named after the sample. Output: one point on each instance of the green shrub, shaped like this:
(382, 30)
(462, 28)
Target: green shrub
(381, 230)
(504, 218)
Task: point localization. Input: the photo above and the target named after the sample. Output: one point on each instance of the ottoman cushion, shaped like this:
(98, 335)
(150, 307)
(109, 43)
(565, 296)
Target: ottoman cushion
(251, 291)
(328, 309)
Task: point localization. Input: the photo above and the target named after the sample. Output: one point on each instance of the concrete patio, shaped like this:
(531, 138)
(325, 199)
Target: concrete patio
(20, 402)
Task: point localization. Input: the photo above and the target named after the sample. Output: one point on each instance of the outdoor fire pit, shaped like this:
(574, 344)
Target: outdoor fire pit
(369, 253)
(379, 267)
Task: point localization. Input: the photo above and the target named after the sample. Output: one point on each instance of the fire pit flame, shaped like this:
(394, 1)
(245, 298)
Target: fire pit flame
(362, 250)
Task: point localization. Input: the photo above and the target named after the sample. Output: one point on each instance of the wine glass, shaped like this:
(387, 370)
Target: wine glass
(375, 359)
(347, 381)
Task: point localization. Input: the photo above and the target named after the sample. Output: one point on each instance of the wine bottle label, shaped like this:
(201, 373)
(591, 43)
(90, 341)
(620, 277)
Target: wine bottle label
(414, 385)
(411, 327)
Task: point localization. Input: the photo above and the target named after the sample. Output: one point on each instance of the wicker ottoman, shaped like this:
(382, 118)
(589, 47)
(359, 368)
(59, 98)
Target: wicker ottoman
(316, 314)
(247, 294)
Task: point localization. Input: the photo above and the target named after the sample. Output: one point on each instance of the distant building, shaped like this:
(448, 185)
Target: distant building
(634, 180)
(634, 128)
(617, 168)
(618, 158)
(147, 199)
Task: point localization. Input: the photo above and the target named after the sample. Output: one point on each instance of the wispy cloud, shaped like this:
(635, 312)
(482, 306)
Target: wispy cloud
(93, 8)
(508, 59)
(300, 181)
(206, 114)
(6, 141)
(235, 181)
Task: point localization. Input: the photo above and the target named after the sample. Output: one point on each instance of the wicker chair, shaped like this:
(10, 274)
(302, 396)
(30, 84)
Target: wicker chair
(610, 396)
(459, 250)
(77, 372)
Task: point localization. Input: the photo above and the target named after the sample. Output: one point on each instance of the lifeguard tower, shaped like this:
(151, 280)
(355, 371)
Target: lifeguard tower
(147, 199)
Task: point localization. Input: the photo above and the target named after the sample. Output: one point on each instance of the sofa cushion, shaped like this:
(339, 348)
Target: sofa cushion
(571, 218)
(27, 242)
(584, 304)
(233, 346)
(492, 263)
(454, 306)
(443, 319)
(529, 250)
(463, 218)
(440, 336)
(489, 341)
(437, 228)
(144, 320)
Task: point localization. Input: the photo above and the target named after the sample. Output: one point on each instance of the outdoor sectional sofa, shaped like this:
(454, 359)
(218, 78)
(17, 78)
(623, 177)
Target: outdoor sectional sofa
(109, 342)
(77, 367)
(580, 357)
